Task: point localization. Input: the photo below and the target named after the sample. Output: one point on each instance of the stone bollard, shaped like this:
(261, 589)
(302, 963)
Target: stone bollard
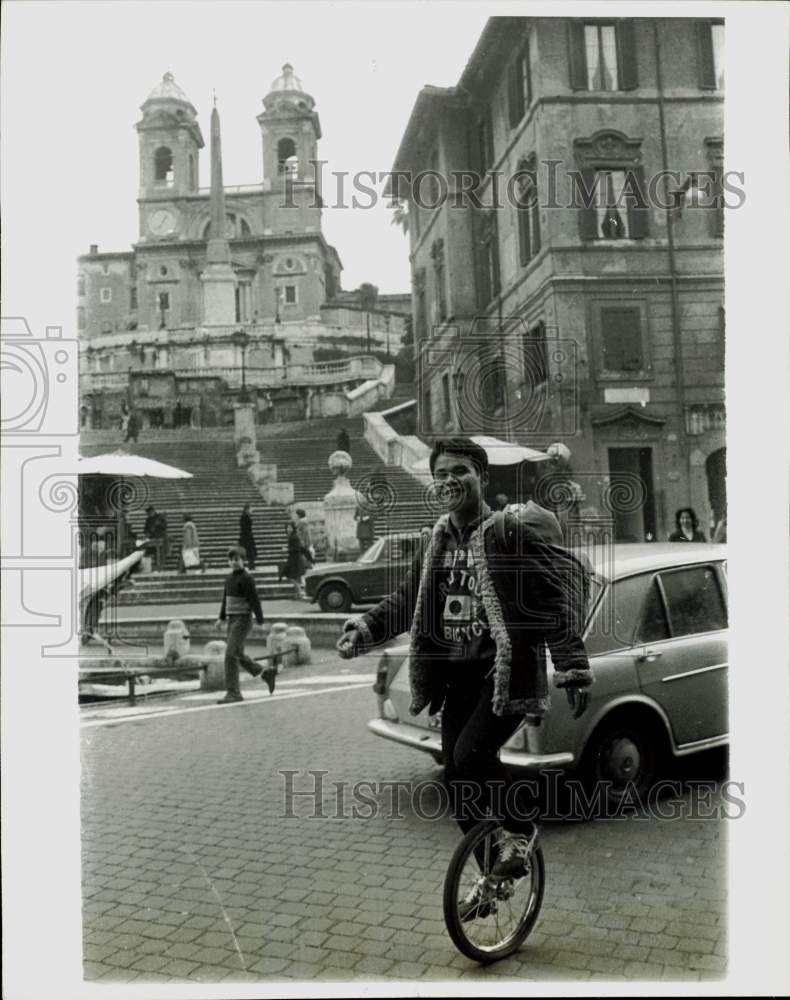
(297, 637)
(176, 638)
(276, 639)
(213, 677)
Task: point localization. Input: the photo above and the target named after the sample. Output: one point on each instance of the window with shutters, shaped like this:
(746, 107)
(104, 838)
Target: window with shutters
(535, 360)
(710, 53)
(487, 258)
(426, 417)
(714, 150)
(519, 87)
(483, 140)
(440, 284)
(609, 189)
(621, 340)
(602, 55)
(528, 210)
(421, 311)
(448, 413)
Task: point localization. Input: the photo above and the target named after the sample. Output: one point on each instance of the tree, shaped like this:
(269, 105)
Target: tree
(400, 215)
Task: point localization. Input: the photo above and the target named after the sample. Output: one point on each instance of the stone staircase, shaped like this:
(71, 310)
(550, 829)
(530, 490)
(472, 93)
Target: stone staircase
(301, 454)
(214, 497)
(197, 588)
(218, 491)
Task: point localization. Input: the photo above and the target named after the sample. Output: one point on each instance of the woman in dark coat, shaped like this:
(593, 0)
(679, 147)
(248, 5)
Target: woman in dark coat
(687, 529)
(297, 560)
(246, 539)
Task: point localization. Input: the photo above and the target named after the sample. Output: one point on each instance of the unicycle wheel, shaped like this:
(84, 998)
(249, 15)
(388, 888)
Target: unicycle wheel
(489, 918)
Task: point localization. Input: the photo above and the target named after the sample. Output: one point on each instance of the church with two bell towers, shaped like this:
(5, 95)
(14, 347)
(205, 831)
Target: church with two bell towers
(221, 279)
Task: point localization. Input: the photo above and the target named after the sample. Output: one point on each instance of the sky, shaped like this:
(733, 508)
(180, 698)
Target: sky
(77, 73)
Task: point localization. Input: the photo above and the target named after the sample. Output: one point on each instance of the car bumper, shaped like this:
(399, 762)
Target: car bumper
(431, 742)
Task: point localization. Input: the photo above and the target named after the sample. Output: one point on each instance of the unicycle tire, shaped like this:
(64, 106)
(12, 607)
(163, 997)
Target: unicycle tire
(513, 904)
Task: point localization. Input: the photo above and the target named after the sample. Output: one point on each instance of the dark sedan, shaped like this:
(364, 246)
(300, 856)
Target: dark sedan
(338, 586)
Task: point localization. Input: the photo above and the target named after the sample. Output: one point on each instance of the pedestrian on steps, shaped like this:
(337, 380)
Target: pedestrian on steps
(298, 557)
(190, 547)
(343, 441)
(240, 602)
(246, 537)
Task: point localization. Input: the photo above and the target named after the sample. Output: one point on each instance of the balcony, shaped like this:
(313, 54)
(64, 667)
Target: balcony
(356, 369)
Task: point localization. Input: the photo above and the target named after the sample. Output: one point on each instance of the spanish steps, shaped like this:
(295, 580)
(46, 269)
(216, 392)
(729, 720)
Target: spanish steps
(219, 489)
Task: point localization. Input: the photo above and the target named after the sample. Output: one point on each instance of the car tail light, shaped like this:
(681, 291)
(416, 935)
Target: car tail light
(388, 711)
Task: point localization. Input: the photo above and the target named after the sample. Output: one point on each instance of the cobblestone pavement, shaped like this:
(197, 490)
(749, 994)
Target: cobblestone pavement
(192, 873)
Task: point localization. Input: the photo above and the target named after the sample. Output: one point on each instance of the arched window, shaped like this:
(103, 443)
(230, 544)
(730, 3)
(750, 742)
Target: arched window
(163, 166)
(287, 161)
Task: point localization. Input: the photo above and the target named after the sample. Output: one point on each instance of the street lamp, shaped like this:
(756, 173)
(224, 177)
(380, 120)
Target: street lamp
(241, 340)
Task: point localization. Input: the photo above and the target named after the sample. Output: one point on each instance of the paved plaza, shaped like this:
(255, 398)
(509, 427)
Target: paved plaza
(193, 871)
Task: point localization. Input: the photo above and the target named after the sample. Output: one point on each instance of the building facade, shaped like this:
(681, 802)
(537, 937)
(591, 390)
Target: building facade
(150, 336)
(566, 224)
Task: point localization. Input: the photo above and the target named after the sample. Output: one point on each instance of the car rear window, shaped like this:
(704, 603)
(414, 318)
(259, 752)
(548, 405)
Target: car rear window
(694, 600)
(653, 626)
(615, 617)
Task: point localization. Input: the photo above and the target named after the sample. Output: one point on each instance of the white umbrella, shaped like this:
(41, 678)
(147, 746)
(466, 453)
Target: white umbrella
(499, 453)
(121, 463)
(96, 578)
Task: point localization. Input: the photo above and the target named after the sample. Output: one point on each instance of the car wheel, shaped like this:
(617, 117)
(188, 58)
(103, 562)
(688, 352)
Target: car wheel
(334, 597)
(624, 752)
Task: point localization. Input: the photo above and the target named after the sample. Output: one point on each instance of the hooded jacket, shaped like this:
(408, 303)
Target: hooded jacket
(526, 605)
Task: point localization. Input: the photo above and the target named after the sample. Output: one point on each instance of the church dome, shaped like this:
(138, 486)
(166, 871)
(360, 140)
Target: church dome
(287, 93)
(168, 90)
(287, 82)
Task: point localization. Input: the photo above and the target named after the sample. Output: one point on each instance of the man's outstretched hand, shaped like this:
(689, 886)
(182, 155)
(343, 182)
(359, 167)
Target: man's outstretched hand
(578, 700)
(348, 644)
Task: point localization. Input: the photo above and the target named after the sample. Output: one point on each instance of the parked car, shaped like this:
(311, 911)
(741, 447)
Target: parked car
(377, 572)
(656, 636)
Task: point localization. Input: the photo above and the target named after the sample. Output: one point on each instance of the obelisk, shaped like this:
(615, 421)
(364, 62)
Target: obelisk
(219, 284)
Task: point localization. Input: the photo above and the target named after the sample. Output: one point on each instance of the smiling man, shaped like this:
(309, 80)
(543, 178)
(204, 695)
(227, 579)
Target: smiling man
(482, 601)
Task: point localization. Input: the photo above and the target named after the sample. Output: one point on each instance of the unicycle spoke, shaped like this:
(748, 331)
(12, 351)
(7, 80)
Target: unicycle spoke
(489, 917)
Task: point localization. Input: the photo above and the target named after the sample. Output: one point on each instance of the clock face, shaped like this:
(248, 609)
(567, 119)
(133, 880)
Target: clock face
(161, 221)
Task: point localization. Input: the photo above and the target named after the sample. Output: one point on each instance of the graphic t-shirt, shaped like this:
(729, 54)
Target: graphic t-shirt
(465, 631)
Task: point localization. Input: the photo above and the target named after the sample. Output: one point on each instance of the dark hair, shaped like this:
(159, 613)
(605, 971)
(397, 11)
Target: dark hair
(463, 447)
(187, 517)
(234, 551)
(692, 515)
(300, 513)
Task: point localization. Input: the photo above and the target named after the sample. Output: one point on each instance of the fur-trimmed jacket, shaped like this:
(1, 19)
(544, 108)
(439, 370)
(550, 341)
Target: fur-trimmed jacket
(526, 605)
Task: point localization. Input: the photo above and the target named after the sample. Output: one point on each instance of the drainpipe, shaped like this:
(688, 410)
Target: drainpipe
(673, 284)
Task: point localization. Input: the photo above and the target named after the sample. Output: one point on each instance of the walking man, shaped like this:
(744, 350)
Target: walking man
(240, 602)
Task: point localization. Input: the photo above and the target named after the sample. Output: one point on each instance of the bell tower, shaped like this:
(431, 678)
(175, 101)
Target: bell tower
(290, 130)
(169, 140)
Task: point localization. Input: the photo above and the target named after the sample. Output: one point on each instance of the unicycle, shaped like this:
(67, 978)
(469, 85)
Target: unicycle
(488, 918)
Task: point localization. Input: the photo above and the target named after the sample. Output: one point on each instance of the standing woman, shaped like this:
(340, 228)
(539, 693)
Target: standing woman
(246, 538)
(687, 529)
(297, 560)
(190, 547)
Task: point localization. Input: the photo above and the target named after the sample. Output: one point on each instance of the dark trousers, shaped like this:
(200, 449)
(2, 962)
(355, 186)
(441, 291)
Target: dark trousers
(238, 629)
(471, 738)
